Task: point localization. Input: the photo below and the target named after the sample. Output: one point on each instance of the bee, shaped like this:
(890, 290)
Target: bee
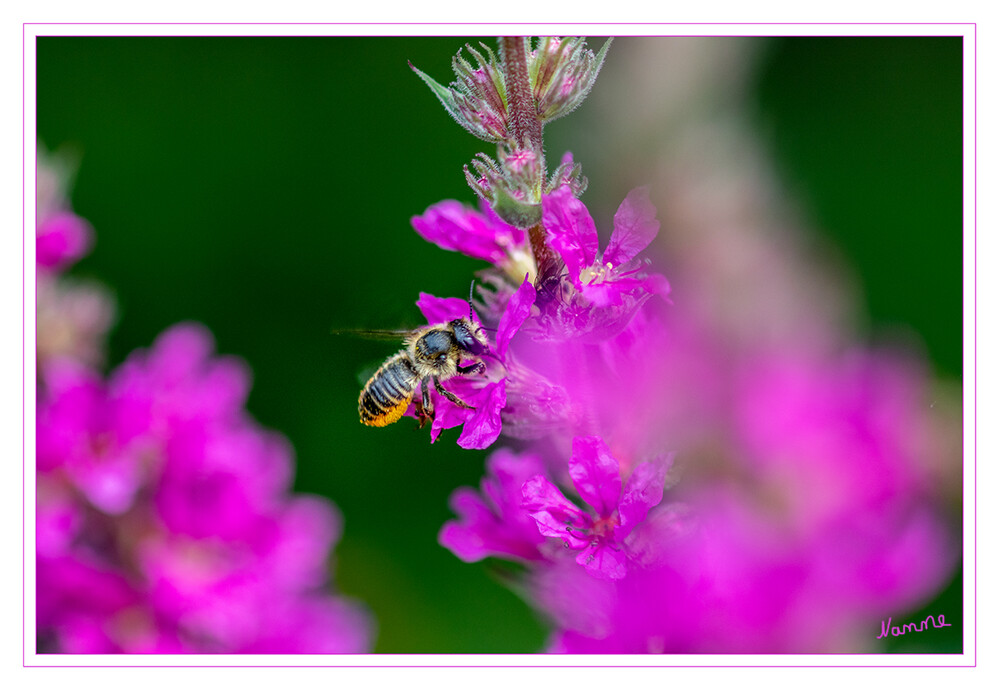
(430, 355)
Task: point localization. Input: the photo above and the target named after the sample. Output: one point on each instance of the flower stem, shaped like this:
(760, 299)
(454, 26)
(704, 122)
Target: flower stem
(543, 255)
(524, 121)
(525, 126)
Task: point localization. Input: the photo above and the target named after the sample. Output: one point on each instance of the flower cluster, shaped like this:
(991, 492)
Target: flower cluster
(164, 521)
(572, 370)
(547, 332)
(806, 507)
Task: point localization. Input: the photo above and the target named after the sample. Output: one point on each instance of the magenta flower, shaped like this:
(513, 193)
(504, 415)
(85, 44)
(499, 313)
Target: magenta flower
(98, 440)
(595, 474)
(816, 516)
(482, 235)
(493, 522)
(61, 239)
(608, 278)
(602, 291)
(165, 522)
(483, 424)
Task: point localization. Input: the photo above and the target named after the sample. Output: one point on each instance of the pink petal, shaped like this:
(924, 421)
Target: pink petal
(455, 227)
(484, 425)
(467, 536)
(555, 514)
(604, 561)
(62, 239)
(516, 312)
(571, 231)
(442, 309)
(635, 226)
(643, 491)
(595, 473)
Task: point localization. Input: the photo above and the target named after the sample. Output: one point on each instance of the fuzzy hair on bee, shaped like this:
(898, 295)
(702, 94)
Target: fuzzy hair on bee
(430, 355)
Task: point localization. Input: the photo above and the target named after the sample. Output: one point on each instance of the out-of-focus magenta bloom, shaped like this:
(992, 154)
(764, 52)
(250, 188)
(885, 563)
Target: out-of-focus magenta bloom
(740, 582)
(165, 522)
(98, 440)
(61, 236)
(61, 239)
(816, 517)
(596, 477)
(495, 523)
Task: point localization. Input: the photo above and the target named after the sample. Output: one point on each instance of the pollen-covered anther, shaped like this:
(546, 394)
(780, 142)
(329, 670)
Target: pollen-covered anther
(597, 273)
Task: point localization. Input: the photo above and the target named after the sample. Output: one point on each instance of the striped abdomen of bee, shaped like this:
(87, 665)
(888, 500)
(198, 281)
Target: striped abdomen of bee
(388, 392)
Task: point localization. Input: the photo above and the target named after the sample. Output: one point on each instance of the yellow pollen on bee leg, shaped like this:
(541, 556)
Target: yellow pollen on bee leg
(389, 416)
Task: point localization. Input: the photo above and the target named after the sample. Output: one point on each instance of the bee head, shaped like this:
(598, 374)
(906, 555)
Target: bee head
(469, 336)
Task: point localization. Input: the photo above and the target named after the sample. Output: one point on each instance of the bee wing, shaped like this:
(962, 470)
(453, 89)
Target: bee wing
(397, 335)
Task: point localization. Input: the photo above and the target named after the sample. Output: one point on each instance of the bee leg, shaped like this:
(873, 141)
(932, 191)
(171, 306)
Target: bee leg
(451, 396)
(472, 368)
(424, 406)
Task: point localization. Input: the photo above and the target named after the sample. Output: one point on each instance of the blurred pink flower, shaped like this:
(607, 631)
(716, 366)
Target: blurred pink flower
(165, 522)
(62, 239)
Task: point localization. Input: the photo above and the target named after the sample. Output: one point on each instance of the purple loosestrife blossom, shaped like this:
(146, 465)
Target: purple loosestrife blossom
(816, 515)
(482, 235)
(487, 396)
(165, 522)
(62, 239)
(614, 279)
(545, 339)
(495, 524)
(61, 236)
(601, 540)
(581, 373)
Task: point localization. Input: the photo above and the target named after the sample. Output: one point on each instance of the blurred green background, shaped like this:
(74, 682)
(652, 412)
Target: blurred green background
(264, 186)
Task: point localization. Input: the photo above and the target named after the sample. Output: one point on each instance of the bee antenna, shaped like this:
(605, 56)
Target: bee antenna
(471, 288)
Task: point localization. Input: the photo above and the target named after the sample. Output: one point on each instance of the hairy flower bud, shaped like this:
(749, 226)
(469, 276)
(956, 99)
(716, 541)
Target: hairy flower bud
(562, 73)
(477, 100)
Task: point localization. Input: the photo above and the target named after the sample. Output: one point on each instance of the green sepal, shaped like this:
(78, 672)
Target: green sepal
(598, 62)
(444, 94)
(514, 211)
